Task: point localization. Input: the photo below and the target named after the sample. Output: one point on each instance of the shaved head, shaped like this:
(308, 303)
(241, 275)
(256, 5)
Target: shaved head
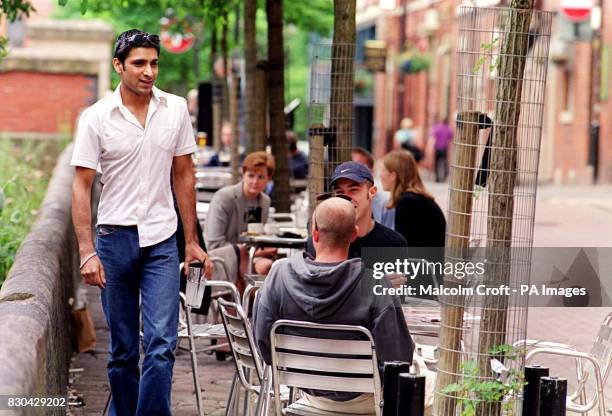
(335, 219)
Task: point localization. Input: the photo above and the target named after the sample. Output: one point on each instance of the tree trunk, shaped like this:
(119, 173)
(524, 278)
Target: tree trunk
(233, 101)
(216, 98)
(250, 73)
(226, 74)
(276, 91)
(261, 107)
(457, 245)
(342, 79)
(503, 173)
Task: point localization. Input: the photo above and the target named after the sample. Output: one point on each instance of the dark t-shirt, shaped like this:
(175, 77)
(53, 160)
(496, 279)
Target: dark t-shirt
(420, 220)
(379, 236)
(298, 164)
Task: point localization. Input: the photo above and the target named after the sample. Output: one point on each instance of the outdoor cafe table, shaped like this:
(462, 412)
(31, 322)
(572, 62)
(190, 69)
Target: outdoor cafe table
(425, 320)
(254, 242)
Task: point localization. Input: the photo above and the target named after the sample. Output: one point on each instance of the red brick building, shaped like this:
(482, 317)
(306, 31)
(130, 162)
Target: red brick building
(54, 69)
(573, 98)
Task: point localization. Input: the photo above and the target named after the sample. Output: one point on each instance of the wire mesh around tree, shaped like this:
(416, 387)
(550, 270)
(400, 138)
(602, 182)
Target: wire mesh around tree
(330, 113)
(502, 57)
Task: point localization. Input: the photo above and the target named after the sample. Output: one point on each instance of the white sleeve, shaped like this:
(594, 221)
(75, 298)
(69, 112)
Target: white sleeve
(185, 143)
(86, 152)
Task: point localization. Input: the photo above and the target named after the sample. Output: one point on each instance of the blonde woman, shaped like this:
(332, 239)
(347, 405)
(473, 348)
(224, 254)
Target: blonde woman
(417, 216)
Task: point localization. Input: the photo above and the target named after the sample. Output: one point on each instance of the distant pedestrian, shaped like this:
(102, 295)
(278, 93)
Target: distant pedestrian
(405, 138)
(442, 135)
(418, 218)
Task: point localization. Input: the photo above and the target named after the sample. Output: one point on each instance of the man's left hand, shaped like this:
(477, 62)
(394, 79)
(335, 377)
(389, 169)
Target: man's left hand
(194, 253)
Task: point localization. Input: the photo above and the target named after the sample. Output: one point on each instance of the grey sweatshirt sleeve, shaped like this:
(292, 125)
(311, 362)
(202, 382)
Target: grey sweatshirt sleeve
(215, 230)
(391, 336)
(390, 331)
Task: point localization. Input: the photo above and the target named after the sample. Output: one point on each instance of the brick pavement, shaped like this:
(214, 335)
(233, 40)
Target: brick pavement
(92, 384)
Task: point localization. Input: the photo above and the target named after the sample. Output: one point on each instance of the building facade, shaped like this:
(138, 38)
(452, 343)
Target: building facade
(54, 69)
(577, 137)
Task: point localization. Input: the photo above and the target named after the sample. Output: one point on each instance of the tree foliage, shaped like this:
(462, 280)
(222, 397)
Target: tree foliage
(13, 10)
(177, 72)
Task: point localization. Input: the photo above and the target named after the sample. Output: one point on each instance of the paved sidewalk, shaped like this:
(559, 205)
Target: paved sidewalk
(92, 384)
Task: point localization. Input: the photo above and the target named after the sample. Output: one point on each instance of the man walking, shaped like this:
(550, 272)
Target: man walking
(139, 136)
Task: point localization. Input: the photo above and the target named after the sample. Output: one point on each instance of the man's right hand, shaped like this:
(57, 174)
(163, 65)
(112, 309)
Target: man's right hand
(93, 272)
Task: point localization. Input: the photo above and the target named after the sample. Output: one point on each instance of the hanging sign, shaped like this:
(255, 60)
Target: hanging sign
(576, 10)
(176, 37)
(375, 55)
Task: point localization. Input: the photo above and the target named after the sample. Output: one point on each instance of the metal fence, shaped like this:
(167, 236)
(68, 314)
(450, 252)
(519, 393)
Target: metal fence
(330, 113)
(502, 57)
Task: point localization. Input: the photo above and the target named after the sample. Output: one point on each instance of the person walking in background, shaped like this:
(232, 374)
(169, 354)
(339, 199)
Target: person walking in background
(418, 218)
(442, 135)
(380, 212)
(405, 138)
(137, 135)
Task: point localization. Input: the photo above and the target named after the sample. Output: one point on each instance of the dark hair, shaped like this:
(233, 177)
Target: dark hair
(291, 140)
(367, 155)
(134, 38)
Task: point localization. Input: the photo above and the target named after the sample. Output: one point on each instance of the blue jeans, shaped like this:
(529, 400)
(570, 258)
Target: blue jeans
(151, 272)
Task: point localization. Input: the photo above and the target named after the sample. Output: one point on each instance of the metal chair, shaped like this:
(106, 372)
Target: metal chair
(249, 365)
(205, 331)
(600, 358)
(332, 364)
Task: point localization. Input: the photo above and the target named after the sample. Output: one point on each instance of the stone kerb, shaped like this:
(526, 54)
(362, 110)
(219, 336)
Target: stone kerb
(35, 327)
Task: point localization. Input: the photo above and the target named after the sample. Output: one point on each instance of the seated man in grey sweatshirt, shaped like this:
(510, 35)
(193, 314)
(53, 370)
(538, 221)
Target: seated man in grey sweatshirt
(330, 289)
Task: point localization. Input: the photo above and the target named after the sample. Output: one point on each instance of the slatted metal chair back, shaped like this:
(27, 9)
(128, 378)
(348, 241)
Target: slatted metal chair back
(332, 363)
(602, 347)
(242, 343)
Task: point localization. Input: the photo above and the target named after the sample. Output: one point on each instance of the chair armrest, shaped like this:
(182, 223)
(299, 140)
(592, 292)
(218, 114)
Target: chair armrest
(529, 343)
(598, 398)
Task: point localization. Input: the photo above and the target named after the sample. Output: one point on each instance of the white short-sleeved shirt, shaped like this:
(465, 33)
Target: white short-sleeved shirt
(135, 162)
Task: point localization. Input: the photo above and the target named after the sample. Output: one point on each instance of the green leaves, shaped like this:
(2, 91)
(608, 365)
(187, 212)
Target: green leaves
(14, 9)
(24, 171)
(473, 389)
(84, 4)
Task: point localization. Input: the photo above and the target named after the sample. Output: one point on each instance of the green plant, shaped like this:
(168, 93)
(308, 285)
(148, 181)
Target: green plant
(412, 62)
(25, 168)
(472, 391)
(487, 48)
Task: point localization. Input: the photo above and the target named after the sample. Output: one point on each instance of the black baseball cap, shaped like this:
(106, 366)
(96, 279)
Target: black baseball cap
(353, 171)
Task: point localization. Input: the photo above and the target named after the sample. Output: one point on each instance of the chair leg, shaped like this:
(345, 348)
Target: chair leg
(107, 405)
(232, 395)
(194, 364)
(247, 394)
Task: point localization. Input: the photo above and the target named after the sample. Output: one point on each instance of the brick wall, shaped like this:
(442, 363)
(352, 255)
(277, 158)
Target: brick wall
(605, 138)
(43, 103)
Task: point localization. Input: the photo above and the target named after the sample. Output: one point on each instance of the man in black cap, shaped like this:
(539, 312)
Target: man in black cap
(355, 181)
